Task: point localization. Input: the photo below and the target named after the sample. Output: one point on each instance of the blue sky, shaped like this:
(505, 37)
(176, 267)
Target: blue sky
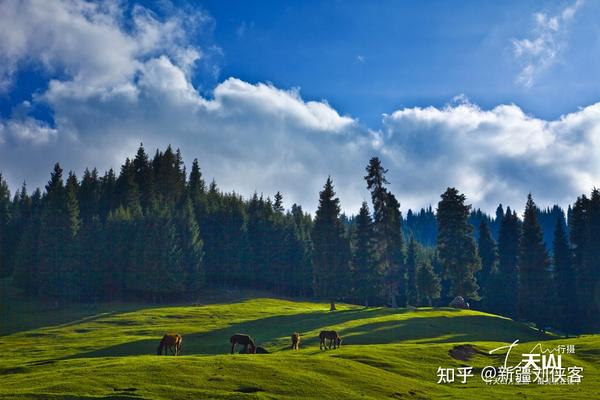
(369, 58)
(495, 98)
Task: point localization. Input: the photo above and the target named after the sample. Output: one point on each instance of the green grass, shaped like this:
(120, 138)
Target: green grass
(107, 351)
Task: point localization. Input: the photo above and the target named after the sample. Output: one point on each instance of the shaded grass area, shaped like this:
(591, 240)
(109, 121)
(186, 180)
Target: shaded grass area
(109, 353)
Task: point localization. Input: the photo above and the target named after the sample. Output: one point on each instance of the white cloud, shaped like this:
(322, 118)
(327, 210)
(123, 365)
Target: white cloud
(496, 155)
(544, 47)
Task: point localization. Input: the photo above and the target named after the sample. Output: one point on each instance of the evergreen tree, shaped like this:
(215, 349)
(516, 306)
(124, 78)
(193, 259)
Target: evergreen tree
(387, 226)
(456, 246)
(5, 267)
(367, 276)
(143, 176)
(70, 269)
(27, 254)
(564, 281)
(488, 252)
(107, 198)
(302, 275)
(331, 255)
(499, 216)
(411, 272)
(428, 284)
(580, 241)
(278, 204)
(192, 247)
(196, 185)
(55, 232)
(533, 270)
(127, 190)
(591, 289)
(585, 238)
(89, 196)
(506, 283)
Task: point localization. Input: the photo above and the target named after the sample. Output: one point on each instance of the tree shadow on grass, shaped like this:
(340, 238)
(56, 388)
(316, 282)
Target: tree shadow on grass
(274, 332)
(443, 329)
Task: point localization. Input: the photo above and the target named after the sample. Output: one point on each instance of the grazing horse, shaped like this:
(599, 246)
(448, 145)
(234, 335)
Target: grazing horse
(172, 342)
(238, 338)
(333, 338)
(295, 341)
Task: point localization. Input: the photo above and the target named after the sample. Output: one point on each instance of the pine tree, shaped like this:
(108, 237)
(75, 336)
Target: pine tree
(456, 246)
(366, 272)
(331, 255)
(303, 271)
(143, 176)
(5, 267)
(411, 272)
(428, 284)
(533, 270)
(192, 247)
(396, 275)
(506, 283)
(70, 269)
(592, 272)
(495, 227)
(107, 198)
(89, 196)
(564, 281)
(488, 252)
(55, 233)
(387, 225)
(278, 204)
(580, 241)
(27, 252)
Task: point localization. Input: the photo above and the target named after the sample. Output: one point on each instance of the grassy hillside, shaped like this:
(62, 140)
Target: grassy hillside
(107, 352)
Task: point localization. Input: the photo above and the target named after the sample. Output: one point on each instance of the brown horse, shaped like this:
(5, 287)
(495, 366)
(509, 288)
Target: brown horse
(295, 341)
(172, 342)
(238, 338)
(333, 338)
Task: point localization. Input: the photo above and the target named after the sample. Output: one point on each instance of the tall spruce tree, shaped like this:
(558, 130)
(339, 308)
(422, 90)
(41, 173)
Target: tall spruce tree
(411, 272)
(192, 247)
(27, 260)
(55, 234)
(580, 241)
(533, 270)
(303, 271)
(506, 281)
(5, 267)
(428, 284)
(592, 272)
(488, 252)
(331, 255)
(564, 281)
(584, 227)
(70, 269)
(366, 272)
(456, 246)
(387, 226)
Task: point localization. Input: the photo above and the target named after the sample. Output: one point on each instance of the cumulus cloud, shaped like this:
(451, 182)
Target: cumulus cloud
(496, 155)
(255, 136)
(545, 45)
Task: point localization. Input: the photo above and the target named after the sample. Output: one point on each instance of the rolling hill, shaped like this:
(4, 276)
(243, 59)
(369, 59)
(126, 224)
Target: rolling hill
(107, 351)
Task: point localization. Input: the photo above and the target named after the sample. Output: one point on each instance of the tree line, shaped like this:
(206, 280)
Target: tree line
(156, 232)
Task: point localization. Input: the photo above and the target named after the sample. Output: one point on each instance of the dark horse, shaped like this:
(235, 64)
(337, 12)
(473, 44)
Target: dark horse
(295, 341)
(333, 338)
(172, 342)
(238, 338)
